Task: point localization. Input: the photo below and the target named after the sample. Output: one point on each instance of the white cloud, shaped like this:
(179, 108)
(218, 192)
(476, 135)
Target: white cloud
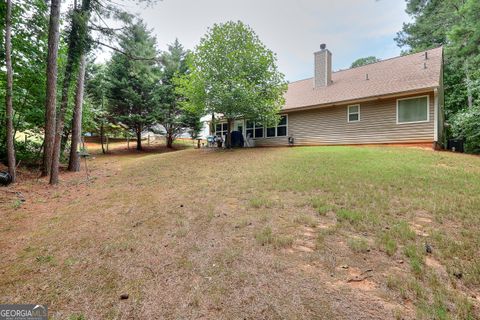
(292, 29)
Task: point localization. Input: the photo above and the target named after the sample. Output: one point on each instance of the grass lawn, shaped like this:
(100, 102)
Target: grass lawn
(287, 233)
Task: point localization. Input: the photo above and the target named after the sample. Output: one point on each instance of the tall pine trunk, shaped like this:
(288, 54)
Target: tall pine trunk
(9, 92)
(54, 171)
(139, 138)
(102, 137)
(76, 48)
(52, 73)
(74, 161)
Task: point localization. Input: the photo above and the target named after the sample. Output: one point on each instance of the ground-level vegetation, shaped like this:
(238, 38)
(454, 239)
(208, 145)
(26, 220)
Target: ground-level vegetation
(315, 232)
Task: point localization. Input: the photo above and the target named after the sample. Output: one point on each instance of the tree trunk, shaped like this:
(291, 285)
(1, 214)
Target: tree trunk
(52, 72)
(468, 84)
(65, 137)
(212, 125)
(74, 161)
(229, 133)
(75, 50)
(169, 141)
(9, 92)
(67, 79)
(102, 137)
(139, 138)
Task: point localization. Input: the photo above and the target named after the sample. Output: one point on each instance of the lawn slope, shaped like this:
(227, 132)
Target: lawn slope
(295, 233)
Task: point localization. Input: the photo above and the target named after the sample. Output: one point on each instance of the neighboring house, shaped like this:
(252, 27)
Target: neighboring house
(394, 101)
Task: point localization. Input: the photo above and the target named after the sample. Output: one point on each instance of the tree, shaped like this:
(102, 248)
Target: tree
(363, 61)
(133, 80)
(74, 160)
(52, 73)
(171, 115)
(464, 47)
(96, 87)
(232, 73)
(455, 25)
(77, 47)
(9, 92)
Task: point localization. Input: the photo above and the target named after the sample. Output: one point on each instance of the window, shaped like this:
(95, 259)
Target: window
(412, 110)
(258, 130)
(354, 113)
(280, 130)
(221, 129)
(271, 132)
(255, 130)
(282, 127)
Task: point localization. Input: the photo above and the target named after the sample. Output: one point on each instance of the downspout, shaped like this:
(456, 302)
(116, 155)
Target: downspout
(435, 119)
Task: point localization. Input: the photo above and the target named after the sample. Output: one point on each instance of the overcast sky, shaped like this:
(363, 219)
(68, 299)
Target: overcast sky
(293, 29)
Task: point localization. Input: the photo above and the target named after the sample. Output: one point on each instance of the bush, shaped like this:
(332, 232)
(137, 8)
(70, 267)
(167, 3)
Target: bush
(28, 153)
(466, 124)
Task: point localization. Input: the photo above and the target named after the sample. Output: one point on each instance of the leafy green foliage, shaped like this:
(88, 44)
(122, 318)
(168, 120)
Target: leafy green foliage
(29, 45)
(232, 73)
(363, 61)
(171, 115)
(466, 124)
(455, 24)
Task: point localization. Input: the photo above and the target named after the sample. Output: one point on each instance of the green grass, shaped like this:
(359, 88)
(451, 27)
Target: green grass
(358, 245)
(319, 205)
(266, 237)
(306, 220)
(236, 219)
(416, 259)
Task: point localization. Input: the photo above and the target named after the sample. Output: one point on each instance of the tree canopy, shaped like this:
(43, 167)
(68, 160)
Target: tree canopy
(132, 81)
(232, 73)
(455, 24)
(363, 61)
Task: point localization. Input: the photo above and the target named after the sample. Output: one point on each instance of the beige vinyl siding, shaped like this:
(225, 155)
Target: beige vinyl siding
(378, 124)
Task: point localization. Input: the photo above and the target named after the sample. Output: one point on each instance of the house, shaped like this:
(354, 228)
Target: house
(394, 101)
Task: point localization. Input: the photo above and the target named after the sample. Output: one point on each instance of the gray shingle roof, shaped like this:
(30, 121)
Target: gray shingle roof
(391, 76)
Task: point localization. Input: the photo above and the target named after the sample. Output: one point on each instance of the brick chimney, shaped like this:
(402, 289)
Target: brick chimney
(323, 67)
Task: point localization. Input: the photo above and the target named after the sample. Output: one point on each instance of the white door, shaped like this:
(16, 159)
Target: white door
(239, 125)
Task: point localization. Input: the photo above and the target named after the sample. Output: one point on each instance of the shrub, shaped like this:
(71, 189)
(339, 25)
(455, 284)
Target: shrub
(466, 124)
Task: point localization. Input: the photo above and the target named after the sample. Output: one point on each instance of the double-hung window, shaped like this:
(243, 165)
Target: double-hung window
(254, 129)
(280, 130)
(353, 113)
(412, 110)
(221, 129)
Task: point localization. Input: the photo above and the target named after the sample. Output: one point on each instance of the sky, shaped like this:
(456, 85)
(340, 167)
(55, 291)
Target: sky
(293, 29)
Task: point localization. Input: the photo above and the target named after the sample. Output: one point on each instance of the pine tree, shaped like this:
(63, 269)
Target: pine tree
(133, 75)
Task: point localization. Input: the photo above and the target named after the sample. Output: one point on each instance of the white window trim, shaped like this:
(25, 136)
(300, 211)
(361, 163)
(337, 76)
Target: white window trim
(276, 132)
(416, 97)
(348, 113)
(221, 123)
(254, 128)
